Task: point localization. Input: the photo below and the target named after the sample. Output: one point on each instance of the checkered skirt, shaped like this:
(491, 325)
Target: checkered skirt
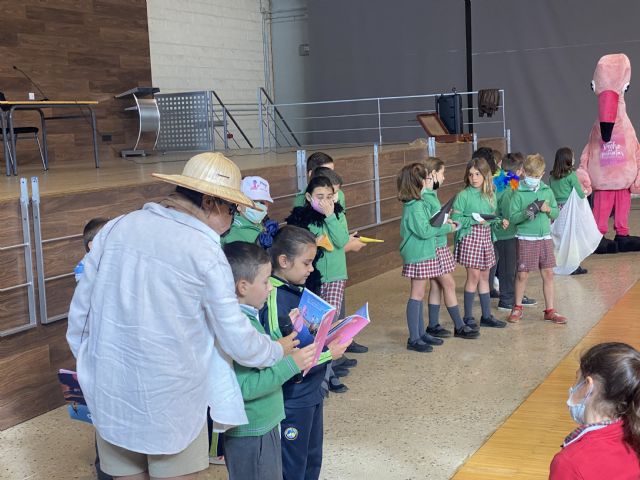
(435, 267)
(476, 249)
(333, 292)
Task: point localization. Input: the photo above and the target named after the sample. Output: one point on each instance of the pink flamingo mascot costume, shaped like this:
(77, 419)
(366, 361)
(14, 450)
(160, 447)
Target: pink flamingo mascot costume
(610, 162)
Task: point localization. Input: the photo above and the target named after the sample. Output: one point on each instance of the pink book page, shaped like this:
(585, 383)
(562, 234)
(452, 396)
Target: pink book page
(321, 337)
(350, 326)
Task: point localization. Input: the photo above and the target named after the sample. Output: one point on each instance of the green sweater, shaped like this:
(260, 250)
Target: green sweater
(299, 199)
(242, 230)
(430, 197)
(562, 187)
(540, 226)
(262, 390)
(418, 236)
(333, 265)
(504, 200)
(469, 201)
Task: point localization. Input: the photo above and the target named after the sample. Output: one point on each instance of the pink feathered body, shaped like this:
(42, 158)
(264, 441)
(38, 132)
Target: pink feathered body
(620, 169)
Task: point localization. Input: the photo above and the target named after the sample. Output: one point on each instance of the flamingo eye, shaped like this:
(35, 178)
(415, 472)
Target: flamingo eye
(593, 86)
(625, 87)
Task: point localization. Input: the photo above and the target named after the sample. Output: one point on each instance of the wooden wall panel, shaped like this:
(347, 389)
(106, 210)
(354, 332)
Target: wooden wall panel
(75, 49)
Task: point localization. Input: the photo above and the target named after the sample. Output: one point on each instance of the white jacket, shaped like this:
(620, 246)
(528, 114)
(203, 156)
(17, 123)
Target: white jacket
(154, 323)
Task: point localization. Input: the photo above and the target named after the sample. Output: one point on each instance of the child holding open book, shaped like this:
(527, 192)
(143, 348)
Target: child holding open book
(253, 451)
(292, 256)
(475, 208)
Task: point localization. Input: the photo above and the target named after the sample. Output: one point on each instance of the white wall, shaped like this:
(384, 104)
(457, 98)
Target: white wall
(208, 45)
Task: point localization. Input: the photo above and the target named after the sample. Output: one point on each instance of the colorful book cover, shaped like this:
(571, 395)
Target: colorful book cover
(73, 396)
(350, 326)
(313, 308)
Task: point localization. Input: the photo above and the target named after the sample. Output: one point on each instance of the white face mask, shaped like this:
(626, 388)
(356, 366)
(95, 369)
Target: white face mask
(256, 215)
(576, 410)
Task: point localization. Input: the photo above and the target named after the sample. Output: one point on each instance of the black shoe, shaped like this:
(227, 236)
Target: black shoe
(340, 371)
(492, 322)
(494, 293)
(504, 306)
(430, 340)
(466, 332)
(357, 348)
(438, 331)
(471, 323)
(336, 386)
(579, 271)
(528, 302)
(345, 362)
(419, 346)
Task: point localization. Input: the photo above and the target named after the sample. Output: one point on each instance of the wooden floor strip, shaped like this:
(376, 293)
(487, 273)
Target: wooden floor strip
(523, 447)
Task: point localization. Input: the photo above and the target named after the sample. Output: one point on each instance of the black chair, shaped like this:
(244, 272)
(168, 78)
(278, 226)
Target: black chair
(17, 132)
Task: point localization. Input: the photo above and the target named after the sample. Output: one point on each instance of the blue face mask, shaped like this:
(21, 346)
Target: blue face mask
(256, 215)
(532, 182)
(576, 410)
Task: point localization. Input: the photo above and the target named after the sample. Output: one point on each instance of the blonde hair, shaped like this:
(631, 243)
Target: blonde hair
(433, 163)
(410, 182)
(483, 167)
(534, 165)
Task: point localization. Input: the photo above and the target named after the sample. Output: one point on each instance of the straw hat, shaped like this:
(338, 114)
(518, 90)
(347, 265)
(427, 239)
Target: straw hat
(212, 174)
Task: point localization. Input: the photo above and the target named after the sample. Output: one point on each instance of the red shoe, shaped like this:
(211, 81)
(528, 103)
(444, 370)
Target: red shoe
(553, 316)
(516, 314)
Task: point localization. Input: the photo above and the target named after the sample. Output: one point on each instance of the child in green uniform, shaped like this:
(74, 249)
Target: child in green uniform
(253, 451)
(506, 183)
(531, 210)
(563, 180)
(251, 224)
(443, 284)
(473, 242)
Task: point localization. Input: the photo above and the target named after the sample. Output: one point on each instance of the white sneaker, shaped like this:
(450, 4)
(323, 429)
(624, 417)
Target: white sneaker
(216, 460)
(496, 284)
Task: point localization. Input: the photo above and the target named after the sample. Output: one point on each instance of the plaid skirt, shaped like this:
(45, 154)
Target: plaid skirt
(435, 267)
(333, 293)
(476, 249)
(535, 255)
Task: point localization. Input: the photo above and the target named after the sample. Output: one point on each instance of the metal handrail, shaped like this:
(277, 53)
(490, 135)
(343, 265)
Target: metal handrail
(275, 109)
(233, 120)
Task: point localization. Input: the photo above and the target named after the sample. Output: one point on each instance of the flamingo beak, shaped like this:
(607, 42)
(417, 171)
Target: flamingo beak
(607, 112)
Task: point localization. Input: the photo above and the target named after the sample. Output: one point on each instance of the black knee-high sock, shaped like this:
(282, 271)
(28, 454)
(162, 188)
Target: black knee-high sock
(485, 304)
(414, 307)
(468, 304)
(454, 313)
(434, 314)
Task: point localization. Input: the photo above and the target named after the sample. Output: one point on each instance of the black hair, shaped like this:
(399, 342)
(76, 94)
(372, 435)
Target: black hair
(289, 241)
(318, 159)
(512, 162)
(245, 260)
(332, 175)
(316, 182)
(563, 164)
(192, 195)
(91, 229)
(487, 154)
(616, 367)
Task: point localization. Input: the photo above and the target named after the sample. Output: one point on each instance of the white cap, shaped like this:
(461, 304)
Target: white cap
(256, 188)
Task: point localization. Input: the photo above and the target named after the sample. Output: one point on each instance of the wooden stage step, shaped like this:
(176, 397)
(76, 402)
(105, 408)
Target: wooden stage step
(523, 447)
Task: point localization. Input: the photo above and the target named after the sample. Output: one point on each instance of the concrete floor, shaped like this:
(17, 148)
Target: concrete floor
(406, 415)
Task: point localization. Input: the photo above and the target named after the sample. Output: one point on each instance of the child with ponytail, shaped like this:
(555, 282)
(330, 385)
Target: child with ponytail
(605, 403)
